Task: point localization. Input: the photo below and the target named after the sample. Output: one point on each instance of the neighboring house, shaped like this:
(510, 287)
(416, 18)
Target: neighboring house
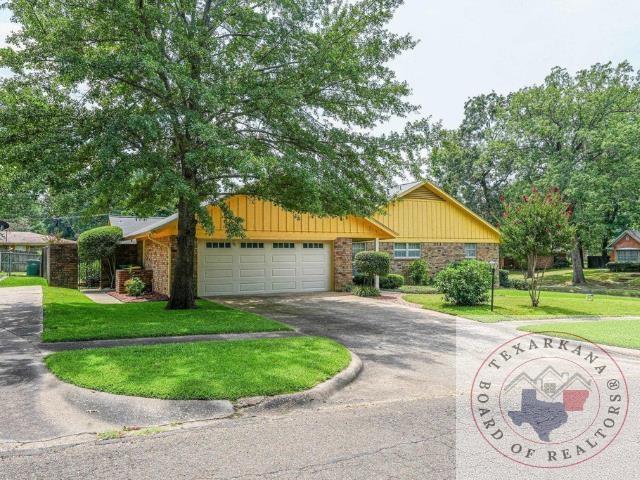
(27, 242)
(288, 252)
(626, 247)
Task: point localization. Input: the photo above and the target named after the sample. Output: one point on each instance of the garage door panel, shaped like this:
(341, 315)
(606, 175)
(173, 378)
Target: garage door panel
(236, 271)
(221, 273)
(258, 287)
(283, 286)
(252, 273)
(218, 259)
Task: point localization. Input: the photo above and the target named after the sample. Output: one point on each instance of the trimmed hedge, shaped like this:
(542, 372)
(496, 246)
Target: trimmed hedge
(623, 266)
(391, 281)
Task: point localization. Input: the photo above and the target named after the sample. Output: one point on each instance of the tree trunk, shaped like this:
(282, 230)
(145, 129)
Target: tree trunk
(605, 252)
(182, 283)
(576, 257)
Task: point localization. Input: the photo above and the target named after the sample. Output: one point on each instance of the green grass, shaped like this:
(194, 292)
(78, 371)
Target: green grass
(516, 305)
(70, 315)
(417, 289)
(599, 280)
(22, 281)
(204, 370)
(620, 333)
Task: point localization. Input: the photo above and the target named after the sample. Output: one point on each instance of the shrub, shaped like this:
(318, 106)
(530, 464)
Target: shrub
(504, 278)
(623, 266)
(418, 271)
(391, 281)
(134, 287)
(518, 284)
(465, 283)
(365, 291)
(370, 264)
(100, 244)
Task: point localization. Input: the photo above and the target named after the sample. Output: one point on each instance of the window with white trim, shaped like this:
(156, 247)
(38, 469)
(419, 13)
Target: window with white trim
(470, 250)
(283, 245)
(406, 250)
(218, 245)
(628, 256)
(313, 245)
(251, 245)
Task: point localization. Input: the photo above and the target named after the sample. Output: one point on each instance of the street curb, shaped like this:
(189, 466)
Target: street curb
(320, 392)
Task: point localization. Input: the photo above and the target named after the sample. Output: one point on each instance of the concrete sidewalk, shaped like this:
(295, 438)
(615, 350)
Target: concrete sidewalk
(37, 407)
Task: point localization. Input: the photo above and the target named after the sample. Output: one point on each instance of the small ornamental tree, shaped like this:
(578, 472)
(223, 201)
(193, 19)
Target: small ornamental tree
(100, 244)
(535, 226)
(371, 264)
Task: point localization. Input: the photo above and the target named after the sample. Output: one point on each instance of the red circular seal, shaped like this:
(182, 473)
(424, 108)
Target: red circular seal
(549, 399)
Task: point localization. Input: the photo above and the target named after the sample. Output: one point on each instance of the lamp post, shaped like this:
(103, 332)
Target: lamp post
(493, 264)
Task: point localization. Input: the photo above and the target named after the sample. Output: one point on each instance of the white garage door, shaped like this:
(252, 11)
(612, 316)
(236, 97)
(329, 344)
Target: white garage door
(243, 268)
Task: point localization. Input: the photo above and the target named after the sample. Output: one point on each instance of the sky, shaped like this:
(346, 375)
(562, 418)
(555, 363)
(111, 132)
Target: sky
(469, 47)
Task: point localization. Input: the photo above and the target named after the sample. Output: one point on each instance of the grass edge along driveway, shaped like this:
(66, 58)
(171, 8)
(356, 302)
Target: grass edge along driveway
(618, 333)
(70, 316)
(21, 281)
(515, 305)
(204, 370)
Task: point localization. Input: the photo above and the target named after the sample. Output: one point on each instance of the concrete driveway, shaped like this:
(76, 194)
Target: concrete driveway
(408, 353)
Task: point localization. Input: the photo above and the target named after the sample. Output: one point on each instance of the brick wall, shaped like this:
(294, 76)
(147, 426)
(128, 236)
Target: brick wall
(439, 254)
(126, 254)
(123, 275)
(62, 265)
(342, 263)
(156, 259)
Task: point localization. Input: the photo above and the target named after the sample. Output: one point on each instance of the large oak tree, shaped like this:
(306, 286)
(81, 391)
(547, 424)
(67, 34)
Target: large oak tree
(153, 102)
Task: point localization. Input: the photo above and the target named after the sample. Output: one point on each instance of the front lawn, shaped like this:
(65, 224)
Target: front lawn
(70, 315)
(621, 333)
(22, 281)
(516, 305)
(204, 370)
(599, 280)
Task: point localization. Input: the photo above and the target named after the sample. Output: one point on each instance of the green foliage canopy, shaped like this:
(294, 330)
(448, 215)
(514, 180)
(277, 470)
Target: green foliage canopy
(147, 104)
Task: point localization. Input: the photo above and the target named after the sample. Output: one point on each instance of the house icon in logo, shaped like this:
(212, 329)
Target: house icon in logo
(549, 383)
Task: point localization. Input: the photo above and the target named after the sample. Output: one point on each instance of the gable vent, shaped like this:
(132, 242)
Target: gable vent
(422, 194)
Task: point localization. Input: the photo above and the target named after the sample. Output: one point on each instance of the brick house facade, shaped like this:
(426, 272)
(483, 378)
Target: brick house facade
(438, 255)
(283, 251)
(626, 247)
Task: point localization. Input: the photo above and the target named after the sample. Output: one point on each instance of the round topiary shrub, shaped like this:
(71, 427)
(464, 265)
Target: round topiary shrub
(100, 244)
(465, 283)
(391, 281)
(371, 264)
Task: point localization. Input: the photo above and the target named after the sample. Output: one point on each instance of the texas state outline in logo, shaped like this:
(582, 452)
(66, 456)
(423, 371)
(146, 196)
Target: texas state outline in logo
(549, 402)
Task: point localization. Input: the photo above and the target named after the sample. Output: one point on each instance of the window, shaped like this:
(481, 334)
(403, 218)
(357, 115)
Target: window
(313, 245)
(628, 256)
(283, 245)
(252, 245)
(470, 250)
(218, 245)
(406, 250)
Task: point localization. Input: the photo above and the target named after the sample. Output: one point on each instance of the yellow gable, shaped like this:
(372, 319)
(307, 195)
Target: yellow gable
(427, 214)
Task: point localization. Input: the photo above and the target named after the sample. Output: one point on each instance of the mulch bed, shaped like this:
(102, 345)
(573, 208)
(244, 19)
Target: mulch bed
(148, 297)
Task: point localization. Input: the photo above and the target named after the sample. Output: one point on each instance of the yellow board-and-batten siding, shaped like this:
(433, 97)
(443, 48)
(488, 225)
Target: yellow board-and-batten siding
(265, 221)
(423, 214)
(428, 215)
